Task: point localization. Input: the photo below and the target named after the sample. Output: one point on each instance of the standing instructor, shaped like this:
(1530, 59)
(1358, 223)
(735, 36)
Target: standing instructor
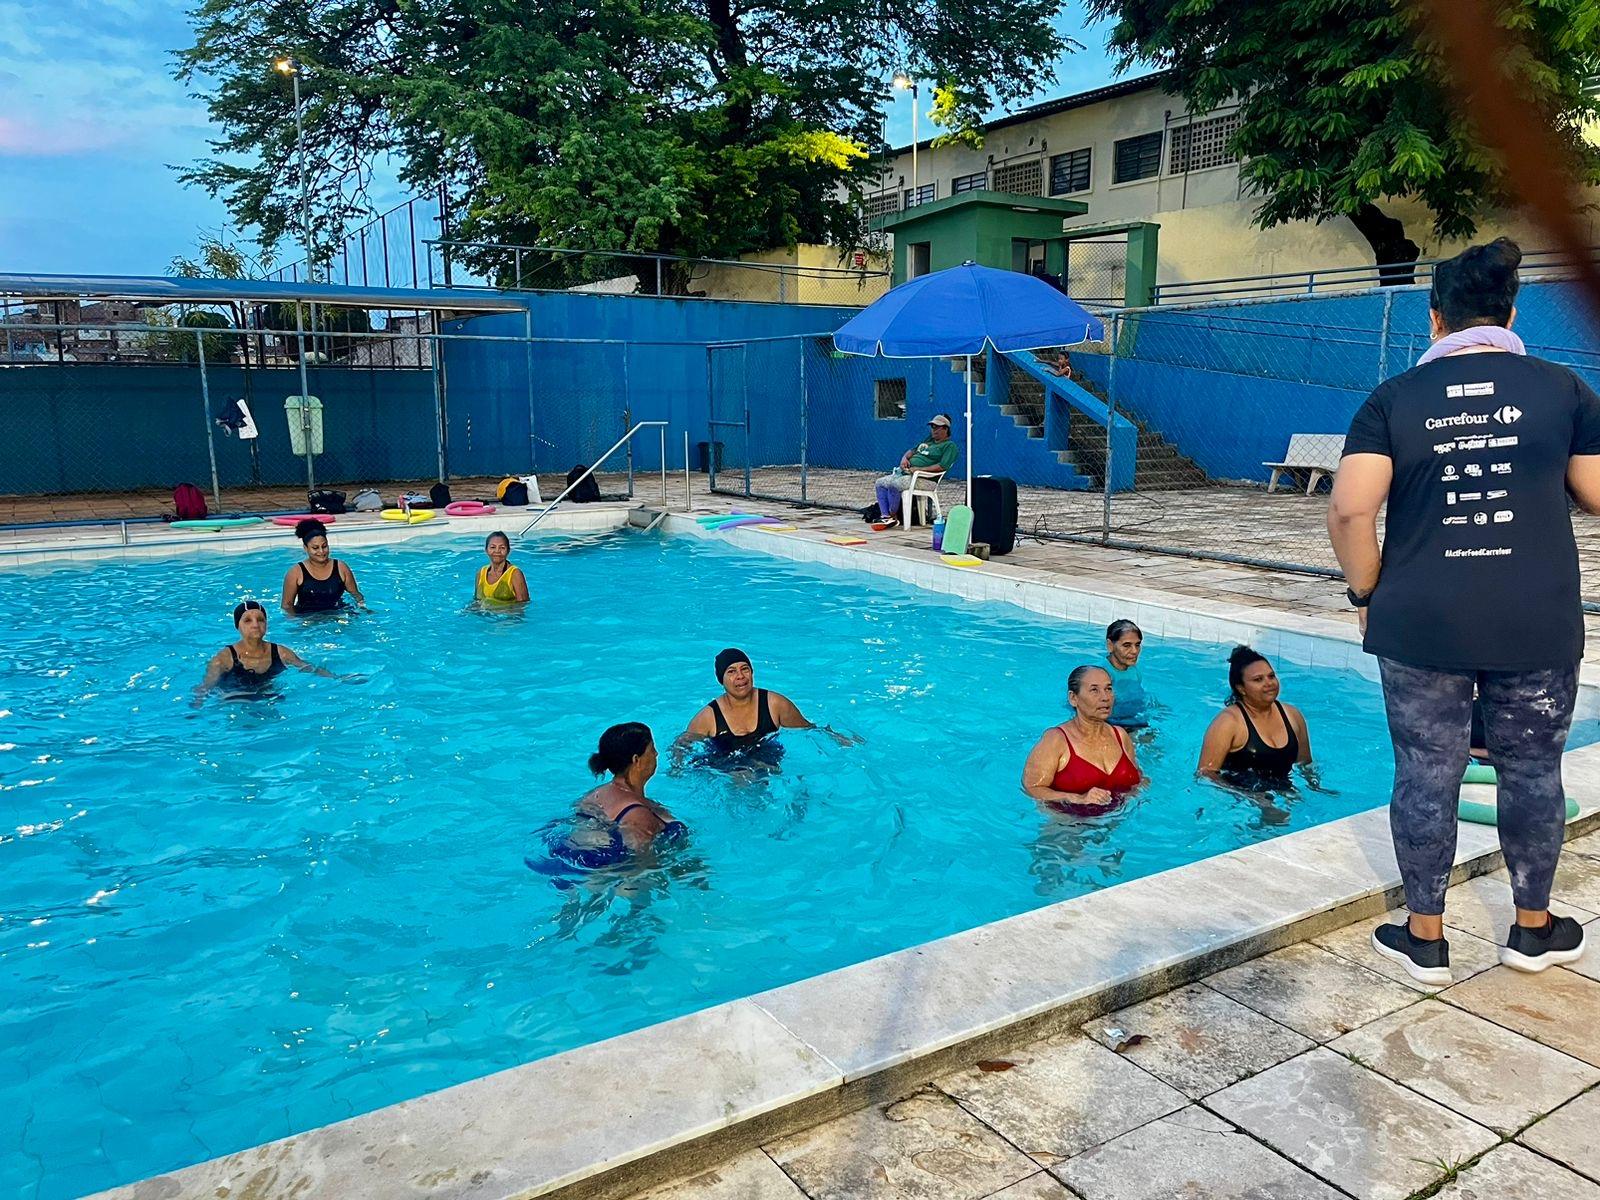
(1475, 450)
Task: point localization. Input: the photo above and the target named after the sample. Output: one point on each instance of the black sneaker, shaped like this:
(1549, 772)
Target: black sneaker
(1533, 950)
(1425, 961)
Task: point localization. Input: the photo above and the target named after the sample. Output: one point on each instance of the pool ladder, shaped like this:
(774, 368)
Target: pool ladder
(617, 445)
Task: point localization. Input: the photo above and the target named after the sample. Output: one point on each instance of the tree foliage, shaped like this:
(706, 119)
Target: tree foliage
(696, 127)
(1344, 103)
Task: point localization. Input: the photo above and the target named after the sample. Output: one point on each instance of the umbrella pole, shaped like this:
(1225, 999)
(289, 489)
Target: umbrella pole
(969, 431)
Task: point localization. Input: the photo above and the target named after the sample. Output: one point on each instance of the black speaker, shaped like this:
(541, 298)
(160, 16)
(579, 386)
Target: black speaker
(994, 512)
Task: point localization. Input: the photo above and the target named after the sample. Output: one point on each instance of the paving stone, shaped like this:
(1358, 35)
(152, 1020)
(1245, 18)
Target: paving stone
(1512, 1173)
(751, 1176)
(1483, 908)
(1351, 1126)
(1189, 1154)
(1036, 1187)
(1559, 1008)
(1064, 1095)
(1199, 1040)
(1469, 955)
(1482, 1071)
(1588, 844)
(921, 1148)
(1316, 993)
(1568, 1135)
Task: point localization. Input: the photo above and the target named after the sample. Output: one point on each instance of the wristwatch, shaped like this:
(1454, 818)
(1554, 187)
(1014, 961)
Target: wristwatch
(1358, 599)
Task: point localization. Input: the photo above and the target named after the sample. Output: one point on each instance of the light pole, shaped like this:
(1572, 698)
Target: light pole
(291, 67)
(903, 81)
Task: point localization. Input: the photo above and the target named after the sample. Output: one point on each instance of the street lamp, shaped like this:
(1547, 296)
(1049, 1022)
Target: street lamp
(902, 81)
(290, 66)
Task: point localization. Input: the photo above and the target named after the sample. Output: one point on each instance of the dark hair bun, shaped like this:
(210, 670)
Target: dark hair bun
(1478, 286)
(310, 528)
(597, 763)
(619, 746)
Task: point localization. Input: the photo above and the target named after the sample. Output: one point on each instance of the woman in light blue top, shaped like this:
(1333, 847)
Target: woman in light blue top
(1124, 641)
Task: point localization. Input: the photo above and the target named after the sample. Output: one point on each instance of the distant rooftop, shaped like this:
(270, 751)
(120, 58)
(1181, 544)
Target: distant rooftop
(1061, 104)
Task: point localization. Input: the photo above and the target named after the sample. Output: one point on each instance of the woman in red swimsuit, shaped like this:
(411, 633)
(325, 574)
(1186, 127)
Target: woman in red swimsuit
(1085, 766)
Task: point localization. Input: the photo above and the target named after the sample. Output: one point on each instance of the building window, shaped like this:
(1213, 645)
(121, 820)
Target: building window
(921, 195)
(1202, 144)
(889, 399)
(975, 182)
(1069, 172)
(883, 204)
(918, 259)
(1137, 158)
(1020, 178)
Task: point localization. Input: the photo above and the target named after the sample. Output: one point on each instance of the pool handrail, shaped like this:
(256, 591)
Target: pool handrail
(615, 446)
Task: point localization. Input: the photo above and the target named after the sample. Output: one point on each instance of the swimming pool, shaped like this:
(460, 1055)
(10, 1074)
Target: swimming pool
(224, 926)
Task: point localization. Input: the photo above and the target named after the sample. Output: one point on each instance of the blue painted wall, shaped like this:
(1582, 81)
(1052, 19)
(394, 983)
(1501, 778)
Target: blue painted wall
(582, 391)
(1229, 384)
(102, 427)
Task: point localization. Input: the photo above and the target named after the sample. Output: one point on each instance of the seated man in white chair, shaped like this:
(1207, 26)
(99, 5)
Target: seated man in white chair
(933, 457)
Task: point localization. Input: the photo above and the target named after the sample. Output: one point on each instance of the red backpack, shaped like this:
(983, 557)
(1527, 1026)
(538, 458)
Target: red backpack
(190, 502)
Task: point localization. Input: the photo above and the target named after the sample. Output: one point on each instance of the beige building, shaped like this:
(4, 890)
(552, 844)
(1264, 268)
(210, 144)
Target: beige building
(1133, 152)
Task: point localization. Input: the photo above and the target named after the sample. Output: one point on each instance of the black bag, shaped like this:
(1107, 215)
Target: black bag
(994, 512)
(515, 495)
(326, 502)
(871, 515)
(439, 494)
(586, 492)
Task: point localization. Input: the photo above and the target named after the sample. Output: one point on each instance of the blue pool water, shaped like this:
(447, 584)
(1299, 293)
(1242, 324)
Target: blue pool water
(225, 925)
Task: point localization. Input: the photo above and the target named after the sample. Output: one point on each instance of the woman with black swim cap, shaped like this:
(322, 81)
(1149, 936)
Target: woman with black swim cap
(252, 661)
(320, 582)
(738, 725)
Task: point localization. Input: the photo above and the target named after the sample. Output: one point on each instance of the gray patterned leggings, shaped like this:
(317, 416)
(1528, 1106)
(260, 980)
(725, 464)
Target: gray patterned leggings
(1526, 715)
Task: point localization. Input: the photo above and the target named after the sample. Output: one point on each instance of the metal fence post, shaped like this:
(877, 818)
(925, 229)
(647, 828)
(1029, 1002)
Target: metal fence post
(805, 423)
(744, 388)
(1111, 424)
(205, 406)
(438, 399)
(533, 439)
(711, 417)
(1383, 337)
(305, 397)
(627, 416)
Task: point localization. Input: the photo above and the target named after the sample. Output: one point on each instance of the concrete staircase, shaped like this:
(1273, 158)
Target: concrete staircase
(1158, 467)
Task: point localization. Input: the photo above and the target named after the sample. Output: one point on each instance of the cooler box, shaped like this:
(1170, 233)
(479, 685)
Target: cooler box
(994, 512)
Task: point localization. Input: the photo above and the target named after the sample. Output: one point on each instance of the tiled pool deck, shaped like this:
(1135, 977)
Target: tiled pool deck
(1279, 1058)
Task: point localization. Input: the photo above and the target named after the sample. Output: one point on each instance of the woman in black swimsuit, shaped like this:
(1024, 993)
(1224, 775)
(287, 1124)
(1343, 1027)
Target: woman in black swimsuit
(738, 724)
(251, 662)
(1257, 739)
(629, 752)
(320, 583)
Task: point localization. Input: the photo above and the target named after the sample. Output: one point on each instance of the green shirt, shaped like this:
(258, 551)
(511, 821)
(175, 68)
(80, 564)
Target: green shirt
(934, 454)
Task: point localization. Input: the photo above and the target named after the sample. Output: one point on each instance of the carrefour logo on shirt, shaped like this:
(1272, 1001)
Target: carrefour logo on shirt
(1508, 415)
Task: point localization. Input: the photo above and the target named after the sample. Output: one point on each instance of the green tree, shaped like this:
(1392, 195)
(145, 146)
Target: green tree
(693, 127)
(180, 345)
(1344, 107)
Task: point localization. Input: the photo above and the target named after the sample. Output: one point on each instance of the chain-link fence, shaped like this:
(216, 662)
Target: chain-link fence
(230, 410)
(1211, 434)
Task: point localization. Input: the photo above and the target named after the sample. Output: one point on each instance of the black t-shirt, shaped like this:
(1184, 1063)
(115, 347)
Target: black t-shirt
(1480, 570)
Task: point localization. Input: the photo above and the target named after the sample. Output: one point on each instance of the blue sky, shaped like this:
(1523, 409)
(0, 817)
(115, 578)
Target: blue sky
(91, 121)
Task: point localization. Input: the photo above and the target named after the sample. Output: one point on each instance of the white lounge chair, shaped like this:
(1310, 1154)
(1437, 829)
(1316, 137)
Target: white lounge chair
(924, 487)
(1317, 454)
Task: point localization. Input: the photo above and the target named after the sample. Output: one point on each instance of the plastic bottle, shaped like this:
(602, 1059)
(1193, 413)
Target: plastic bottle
(938, 534)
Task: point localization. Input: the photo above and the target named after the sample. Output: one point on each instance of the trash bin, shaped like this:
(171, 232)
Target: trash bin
(710, 457)
(297, 425)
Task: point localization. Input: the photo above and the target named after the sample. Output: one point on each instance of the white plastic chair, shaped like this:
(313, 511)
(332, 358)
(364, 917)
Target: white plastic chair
(928, 494)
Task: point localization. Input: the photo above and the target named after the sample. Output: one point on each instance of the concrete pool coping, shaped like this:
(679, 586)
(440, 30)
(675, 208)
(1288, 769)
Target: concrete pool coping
(613, 1116)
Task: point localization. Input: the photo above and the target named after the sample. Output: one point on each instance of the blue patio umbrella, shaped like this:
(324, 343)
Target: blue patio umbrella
(958, 312)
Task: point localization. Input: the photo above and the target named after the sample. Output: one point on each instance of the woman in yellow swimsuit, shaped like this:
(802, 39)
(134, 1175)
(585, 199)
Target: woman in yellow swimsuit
(500, 582)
